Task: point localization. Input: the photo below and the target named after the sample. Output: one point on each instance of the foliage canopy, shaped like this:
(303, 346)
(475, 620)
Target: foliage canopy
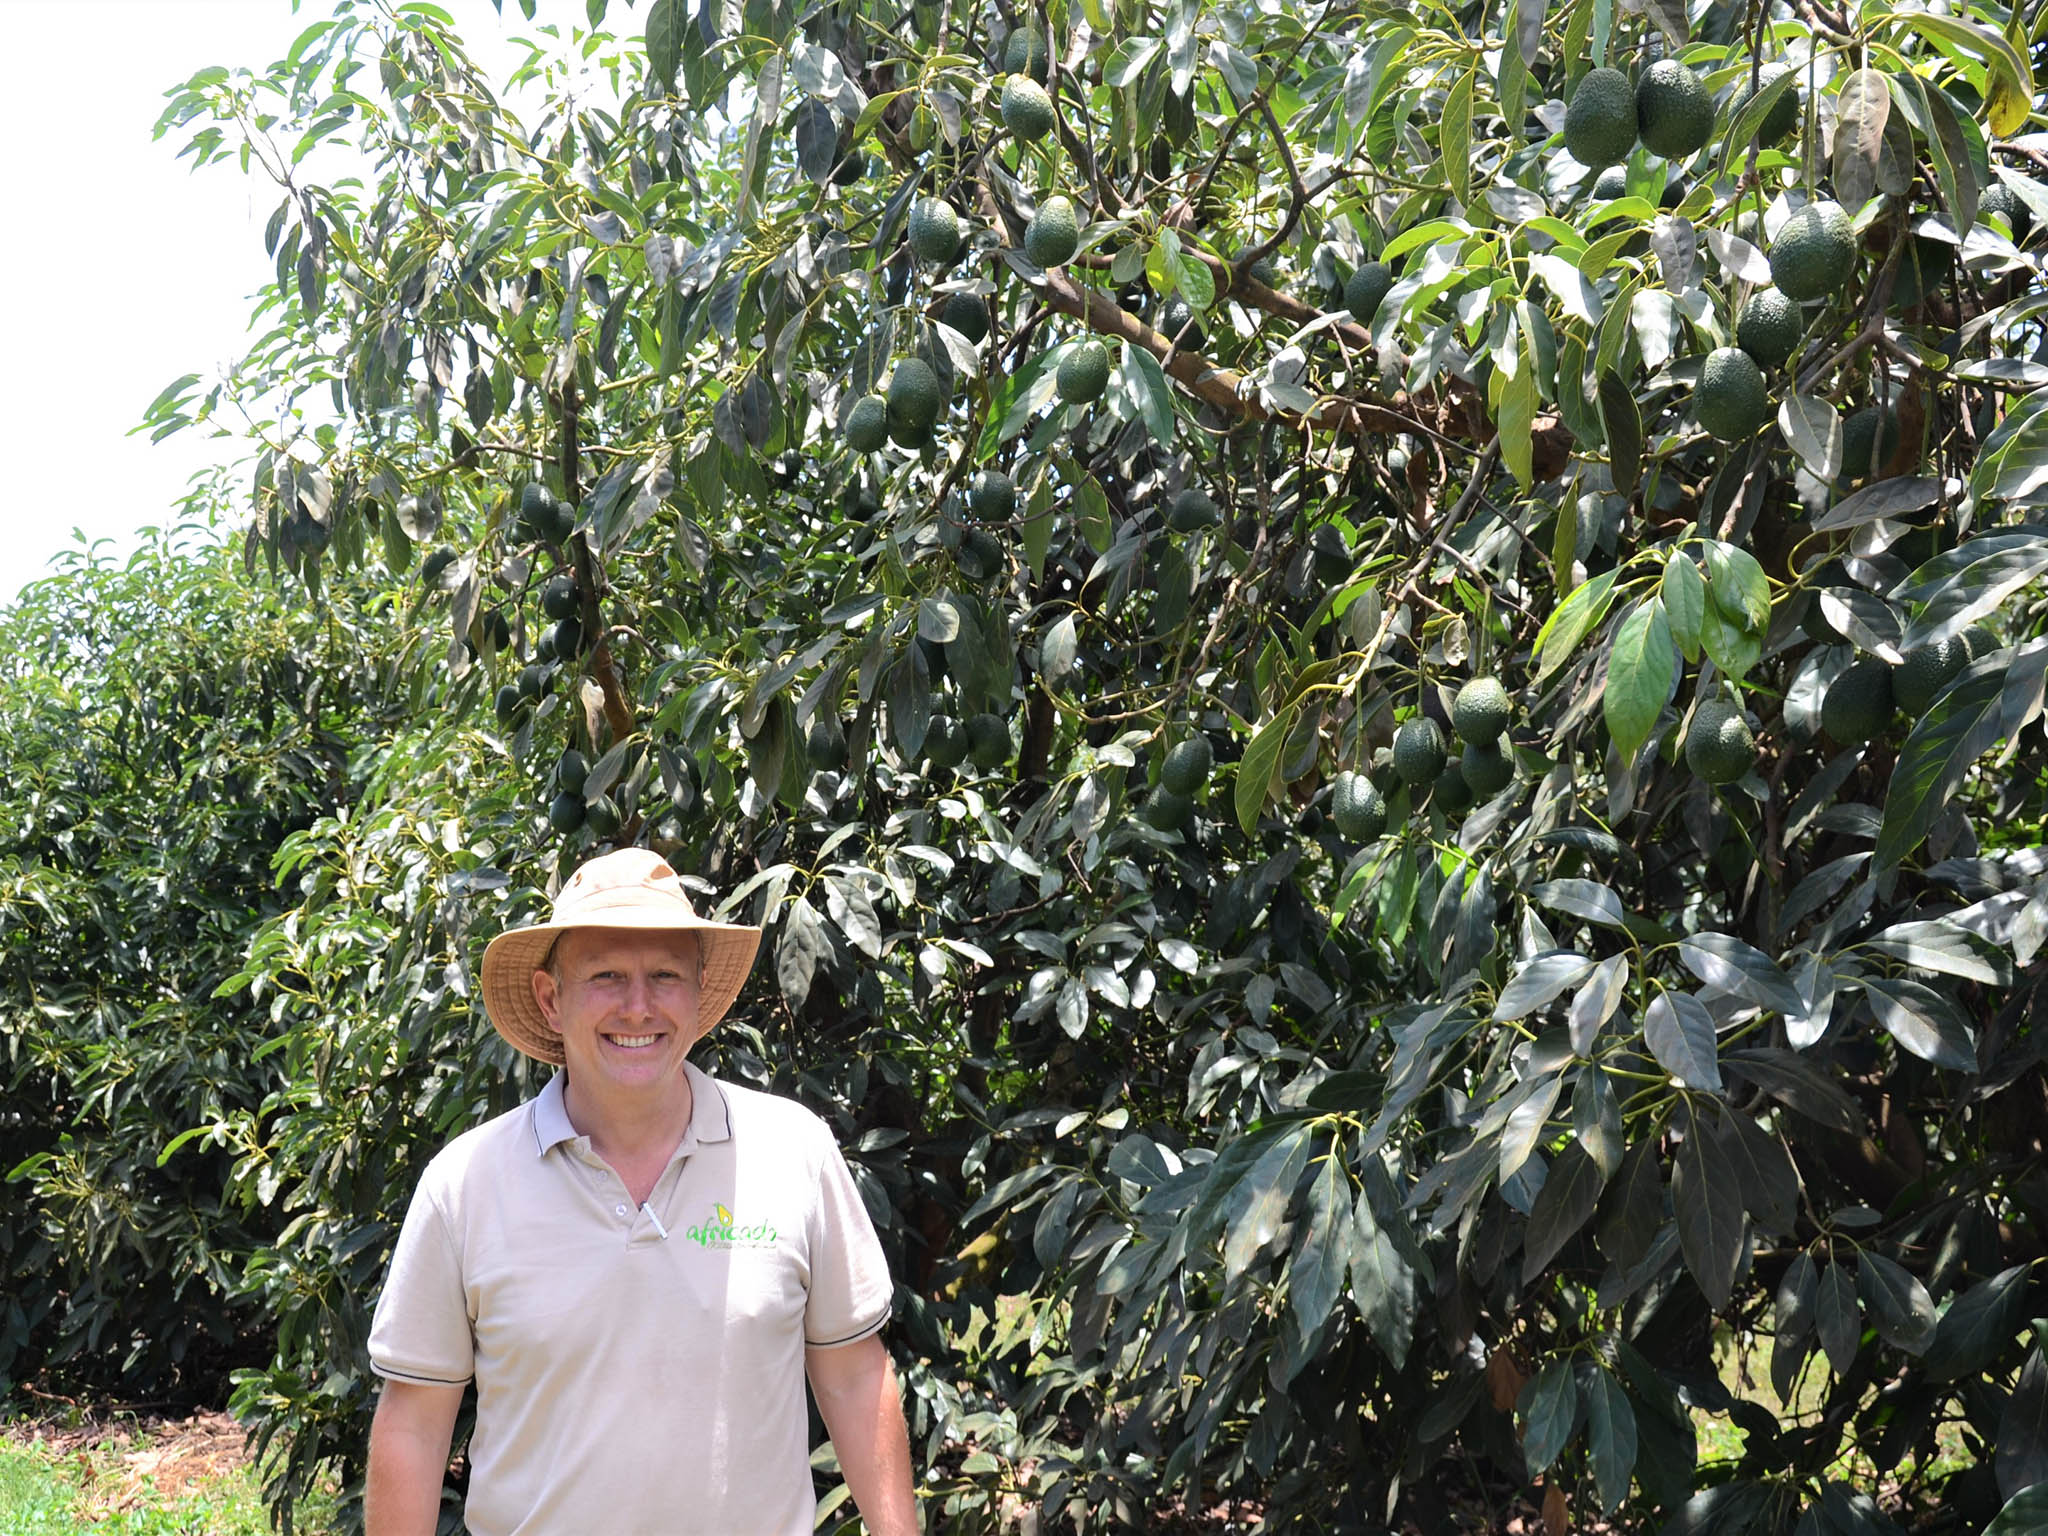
(1315, 1160)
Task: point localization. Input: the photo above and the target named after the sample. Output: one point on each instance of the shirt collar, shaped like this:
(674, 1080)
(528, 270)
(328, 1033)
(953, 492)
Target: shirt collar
(710, 1119)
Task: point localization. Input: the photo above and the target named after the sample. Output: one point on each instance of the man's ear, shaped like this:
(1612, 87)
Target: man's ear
(547, 993)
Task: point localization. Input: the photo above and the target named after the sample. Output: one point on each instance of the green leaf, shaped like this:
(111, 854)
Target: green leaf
(1708, 1203)
(665, 22)
(1564, 1205)
(2012, 81)
(1685, 602)
(1835, 1316)
(1455, 136)
(1258, 773)
(1143, 382)
(1316, 1277)
(1611, 1432)
(1622, 423)
(1898, 1304)
(1573, 621)
(1017, 399)
(1949, 148)
(1747, 123)
(1923, 1021)
(1517, 418)
(1978, 1326)
(1642, 672)
(1729, 643)
(1382, 1274)
(1739, 587)
(2025, 1514)
(1259, 1203)
(1680, 1034)
(1549, 1409)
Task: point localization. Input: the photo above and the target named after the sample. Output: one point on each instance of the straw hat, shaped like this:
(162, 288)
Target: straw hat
(632, 888)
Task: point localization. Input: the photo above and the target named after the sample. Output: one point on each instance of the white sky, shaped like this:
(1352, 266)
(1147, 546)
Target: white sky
(123, 267)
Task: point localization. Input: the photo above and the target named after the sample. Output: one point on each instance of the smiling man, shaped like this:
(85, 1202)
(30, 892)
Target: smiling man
(639, 1267)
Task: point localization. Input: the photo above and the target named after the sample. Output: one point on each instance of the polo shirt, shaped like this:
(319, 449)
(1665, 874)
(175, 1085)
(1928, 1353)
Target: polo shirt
(639, 1369)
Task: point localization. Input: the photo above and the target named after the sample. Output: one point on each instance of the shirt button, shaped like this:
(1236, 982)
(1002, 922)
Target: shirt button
(618, 1210)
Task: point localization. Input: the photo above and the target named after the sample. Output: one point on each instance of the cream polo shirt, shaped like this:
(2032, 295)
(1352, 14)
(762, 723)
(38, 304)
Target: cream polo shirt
(631, 1383)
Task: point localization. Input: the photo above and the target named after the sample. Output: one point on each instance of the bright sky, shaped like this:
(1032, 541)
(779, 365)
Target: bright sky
(127, 268)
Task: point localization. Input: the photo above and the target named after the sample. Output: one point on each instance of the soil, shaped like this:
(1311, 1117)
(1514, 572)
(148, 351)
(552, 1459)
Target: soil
(122, 1458)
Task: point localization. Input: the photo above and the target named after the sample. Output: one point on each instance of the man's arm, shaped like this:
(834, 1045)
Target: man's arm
(409, 1440)
(857, 1396)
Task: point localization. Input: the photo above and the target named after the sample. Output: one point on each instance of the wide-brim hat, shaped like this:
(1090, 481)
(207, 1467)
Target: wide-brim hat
(632, 888)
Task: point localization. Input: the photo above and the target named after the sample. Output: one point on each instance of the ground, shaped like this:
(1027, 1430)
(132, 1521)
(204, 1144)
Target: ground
(119, 1473)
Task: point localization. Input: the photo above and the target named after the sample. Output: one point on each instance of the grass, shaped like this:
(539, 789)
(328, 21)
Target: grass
(93, 1489)
(1749, 1377)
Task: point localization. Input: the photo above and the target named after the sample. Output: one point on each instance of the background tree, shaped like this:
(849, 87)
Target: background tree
(1027, 504)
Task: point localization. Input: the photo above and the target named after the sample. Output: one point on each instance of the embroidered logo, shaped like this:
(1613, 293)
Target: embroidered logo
(724, 1230)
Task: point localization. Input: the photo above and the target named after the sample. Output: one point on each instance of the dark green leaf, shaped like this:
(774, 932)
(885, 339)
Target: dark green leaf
(1680, 1034)
(1978, 1326)
(2023, 1428)
(1896, 1301)
(1923, 1021)
(1797, 1083)
(2025, 1514)
(1622, 423)
(1708, 1203)
(1382, 1274)
(1723, 961)
(1836, 1318)
(1539, 981)
(1259, 1203)
(1549, 1408)
(1763, 1169)
(1633, 1207)
(1564, 1204)
(1611, 1432)
(1957, 729)
(1316, 1277)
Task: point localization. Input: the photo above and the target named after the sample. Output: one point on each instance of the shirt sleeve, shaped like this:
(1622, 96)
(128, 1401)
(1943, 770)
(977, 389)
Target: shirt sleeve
(850, 1290)
(422, 1331)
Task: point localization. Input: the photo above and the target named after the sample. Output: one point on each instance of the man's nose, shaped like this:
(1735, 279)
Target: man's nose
(639, 999)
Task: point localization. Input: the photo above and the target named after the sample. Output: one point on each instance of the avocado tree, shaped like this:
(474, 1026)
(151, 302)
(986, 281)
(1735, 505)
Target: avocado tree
(1378, 671)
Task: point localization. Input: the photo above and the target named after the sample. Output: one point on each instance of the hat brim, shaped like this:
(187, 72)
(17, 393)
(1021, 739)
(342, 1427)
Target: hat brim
(728, 951)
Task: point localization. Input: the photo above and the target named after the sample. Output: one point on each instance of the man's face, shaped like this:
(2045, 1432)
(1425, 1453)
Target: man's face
(624, 1002)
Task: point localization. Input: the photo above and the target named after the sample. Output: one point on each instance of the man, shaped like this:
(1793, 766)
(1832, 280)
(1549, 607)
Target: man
(638, 1267)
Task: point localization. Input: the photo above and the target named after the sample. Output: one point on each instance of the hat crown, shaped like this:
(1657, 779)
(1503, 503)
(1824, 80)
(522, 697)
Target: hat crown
(631, 877)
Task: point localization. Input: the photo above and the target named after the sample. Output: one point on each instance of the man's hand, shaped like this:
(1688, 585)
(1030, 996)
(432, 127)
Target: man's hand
(857, 1396)
(409, 1442)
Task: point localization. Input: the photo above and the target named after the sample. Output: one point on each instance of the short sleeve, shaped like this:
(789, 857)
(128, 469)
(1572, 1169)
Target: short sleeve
(850, 1290)
(422, 1330)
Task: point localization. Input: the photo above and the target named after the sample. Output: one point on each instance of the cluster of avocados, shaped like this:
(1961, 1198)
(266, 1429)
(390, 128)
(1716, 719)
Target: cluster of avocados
(1182, 773)
(1860, 703)
(1670, 111)
(544, 515)
(545, 518)
(571, 810)
(1421, 760)
(1812, 257)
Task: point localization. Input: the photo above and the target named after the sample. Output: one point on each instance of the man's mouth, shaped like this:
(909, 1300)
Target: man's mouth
(632, 1042)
